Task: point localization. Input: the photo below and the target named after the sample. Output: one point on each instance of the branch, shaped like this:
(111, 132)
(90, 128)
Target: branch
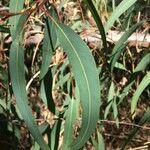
(136, 39)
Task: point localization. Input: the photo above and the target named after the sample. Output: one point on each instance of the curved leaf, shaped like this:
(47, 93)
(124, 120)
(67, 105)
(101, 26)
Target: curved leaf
(17, 75)
(14, 7)
(98, 143)
(101, 143)
(144, 83)
(98, 21)
(48, 46)
(143, 63)
(70, 118)
(120, 66)
(110, 99)
(55, 132)
(86, 76)
(120, 9)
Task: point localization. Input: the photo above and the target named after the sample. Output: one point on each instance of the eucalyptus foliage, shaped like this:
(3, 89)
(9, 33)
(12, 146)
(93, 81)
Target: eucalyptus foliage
(87, 85)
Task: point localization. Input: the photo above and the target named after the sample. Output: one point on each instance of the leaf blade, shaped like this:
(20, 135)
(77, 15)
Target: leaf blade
(15, 6)
(98, 21)
(17, 75)
(120, 9)
(71, 115)
(47, 47)
(83, 71)
(144, 83)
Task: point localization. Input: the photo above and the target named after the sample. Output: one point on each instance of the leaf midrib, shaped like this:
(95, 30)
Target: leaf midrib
(84, 75)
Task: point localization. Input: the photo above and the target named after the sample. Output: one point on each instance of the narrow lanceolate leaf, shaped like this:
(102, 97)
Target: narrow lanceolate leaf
(86, 76)
(70, 118)
(111, 92)
(98, 21)
(49, 43)
(14, 7)
(17, 75)
(120, 9)
(143, 63)
(101, 143)
(55, 133)
(120, 45)
(47, 48)
(45, 91)
(144, 83)
(110, 99)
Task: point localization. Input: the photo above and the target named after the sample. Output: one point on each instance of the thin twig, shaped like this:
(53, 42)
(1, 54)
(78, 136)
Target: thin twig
(121, 137)
(143, 40)
(105, 121)
(34, 76)
(31, 80)
(125, 123)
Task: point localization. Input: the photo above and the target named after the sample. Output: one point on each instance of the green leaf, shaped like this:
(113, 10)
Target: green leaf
(120, 9)
(120, 66)
(48, 46)
(17, 75)
(14, 7)
(98, 143)
(143, 63)
(98, 21)
(46, 91)
(101, 143)
(35, 146)
(107, 109)
(126, 90)
(3, 104)
(110, 99)
(47, 50)
(120, 45)
(115, 109)
(144, 83)
(111, 92)
(86, 76)
(43, 127)
(4, 29)
(70, 118)
(55, 133)
(63, 80)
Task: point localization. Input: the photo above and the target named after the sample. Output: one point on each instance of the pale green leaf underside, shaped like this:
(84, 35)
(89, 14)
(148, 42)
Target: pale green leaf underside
(86, 76)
